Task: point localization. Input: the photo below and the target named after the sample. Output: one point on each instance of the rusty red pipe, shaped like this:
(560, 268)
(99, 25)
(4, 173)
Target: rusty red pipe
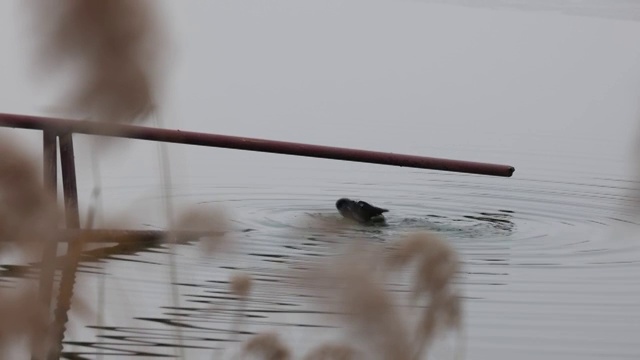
(241, 143)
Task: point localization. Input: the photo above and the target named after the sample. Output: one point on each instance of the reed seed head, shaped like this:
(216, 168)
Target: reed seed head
(267, 346)
(240, 285)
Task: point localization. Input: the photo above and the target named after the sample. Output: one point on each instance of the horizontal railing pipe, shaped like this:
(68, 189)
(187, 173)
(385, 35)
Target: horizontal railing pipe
(252, 144)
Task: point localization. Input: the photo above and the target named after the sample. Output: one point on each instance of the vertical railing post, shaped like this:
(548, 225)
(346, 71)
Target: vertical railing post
(68, 165)
(72, 259)
(50, 168)
(50, 174)
(48, 263)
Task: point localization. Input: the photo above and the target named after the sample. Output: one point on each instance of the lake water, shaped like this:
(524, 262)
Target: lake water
(550, 256)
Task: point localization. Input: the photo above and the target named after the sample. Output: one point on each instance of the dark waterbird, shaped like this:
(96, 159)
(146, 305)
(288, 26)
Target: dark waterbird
(360, 211)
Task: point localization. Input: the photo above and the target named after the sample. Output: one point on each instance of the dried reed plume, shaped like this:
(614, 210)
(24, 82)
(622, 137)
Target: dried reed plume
(240, 285)
(28, 214)
(23, 317)
(113, 48)
(437, 261)
(211, 223)
(333, 352)
(437, 266)
(28, 220)
(267, 346)
(368, 307)
(380, 327)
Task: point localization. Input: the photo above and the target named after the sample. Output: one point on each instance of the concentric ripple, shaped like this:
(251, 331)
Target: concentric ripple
(548, 264)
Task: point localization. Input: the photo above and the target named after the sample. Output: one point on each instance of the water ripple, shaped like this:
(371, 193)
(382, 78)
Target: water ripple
(542, 258)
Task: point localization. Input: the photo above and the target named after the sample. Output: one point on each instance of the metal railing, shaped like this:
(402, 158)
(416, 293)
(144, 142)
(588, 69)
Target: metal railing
(57, 134)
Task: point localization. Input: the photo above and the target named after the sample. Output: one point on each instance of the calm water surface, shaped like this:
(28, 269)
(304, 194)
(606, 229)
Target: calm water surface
(550, 261)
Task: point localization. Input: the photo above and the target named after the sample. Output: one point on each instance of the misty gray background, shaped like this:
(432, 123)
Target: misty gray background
(550, 87)
(489, 83)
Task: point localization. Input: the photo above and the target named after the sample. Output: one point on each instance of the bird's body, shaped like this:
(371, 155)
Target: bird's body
(360, 211)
